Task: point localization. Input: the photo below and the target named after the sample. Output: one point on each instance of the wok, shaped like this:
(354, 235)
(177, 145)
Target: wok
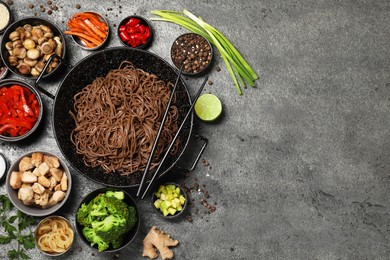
(97, 65)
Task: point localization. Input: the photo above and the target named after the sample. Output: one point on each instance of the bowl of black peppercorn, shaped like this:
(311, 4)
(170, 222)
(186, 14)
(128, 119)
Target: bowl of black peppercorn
(194, 52)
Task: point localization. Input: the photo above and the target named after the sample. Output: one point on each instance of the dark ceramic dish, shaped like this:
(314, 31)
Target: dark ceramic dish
(144, 22)
(83, 74)
(10, 82)
(186, 49)
(33, 21)
(178, 214)
(129, 236)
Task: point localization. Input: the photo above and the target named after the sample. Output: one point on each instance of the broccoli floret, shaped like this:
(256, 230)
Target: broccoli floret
(83, 216)
(120, 195)
(108, 223)
(93, 238)
(116, 207)
(131, 219)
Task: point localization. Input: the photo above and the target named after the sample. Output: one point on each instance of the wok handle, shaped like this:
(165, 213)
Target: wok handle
(205, 143)
(49, 61)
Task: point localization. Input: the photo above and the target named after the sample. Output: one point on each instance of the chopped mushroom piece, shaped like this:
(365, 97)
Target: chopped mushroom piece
(15, 180)
(25, 164)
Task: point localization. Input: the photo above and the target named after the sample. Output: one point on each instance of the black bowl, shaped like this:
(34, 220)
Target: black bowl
(144, 22)
(10, 82)
(177, 214)
(33, 21)
(187, 43)
(129, 236)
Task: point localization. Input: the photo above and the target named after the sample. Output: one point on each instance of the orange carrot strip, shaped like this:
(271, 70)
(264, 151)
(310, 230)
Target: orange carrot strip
(101, 25)
(95, 29)
(93, 18)
(89, 38)
(86, 28)
(87, 43)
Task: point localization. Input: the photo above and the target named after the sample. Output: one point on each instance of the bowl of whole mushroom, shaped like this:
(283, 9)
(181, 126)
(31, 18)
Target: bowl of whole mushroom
(27, 45)
(38, 183)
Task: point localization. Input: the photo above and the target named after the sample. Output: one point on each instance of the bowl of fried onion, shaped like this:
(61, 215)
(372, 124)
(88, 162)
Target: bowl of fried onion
(54, 235)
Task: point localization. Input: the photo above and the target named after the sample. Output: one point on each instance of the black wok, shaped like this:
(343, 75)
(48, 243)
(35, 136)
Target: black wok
(99, 64)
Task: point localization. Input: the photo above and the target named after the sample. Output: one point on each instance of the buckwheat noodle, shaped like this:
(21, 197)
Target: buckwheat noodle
(117, 119)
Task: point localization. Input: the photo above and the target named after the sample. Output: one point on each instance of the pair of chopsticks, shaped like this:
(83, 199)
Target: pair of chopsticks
(174, 138)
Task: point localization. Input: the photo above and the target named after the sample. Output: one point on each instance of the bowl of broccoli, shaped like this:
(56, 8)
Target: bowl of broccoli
(107, 219)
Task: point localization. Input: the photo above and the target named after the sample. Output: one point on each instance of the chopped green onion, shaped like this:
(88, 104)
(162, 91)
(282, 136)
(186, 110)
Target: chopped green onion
(237, 66)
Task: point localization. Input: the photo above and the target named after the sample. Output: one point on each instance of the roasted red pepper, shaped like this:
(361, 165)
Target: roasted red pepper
(134, 32)
(19, 110)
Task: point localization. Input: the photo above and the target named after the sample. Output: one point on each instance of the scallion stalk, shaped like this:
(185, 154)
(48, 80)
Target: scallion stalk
(238, 68)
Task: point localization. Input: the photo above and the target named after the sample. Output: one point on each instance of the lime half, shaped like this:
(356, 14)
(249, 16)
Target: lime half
(208, 107)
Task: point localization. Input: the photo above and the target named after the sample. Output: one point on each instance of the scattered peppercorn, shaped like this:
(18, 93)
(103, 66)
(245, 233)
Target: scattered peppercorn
(49, 12)
(10, 2)
(189, 218)
(55, 8)
(210, 82)
(192, 50)
(78, 6)
(79, 249)
(31, 6)
(218, 69)
(49, 2)
(42, 9)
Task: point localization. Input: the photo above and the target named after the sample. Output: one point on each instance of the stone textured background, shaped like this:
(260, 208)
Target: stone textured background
(299, 165)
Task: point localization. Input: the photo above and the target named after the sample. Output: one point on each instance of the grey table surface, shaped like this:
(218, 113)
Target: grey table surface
(299, 166)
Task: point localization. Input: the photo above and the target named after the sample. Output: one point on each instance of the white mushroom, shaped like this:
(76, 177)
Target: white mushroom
(29, 44)
(33, 54)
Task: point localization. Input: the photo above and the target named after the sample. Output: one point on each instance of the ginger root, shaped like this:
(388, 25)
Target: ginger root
(160, 240)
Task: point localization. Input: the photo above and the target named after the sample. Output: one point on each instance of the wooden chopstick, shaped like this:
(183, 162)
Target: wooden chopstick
(159, 132)
(174, 138)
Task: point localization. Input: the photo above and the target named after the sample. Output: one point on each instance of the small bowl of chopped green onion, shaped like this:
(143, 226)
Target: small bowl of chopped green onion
(169, 200)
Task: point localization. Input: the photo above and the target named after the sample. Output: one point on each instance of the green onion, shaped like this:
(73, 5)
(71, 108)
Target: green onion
(238, 68)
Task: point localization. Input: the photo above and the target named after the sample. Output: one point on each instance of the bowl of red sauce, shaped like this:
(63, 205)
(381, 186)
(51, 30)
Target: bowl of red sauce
(135, 32)
(21, 110)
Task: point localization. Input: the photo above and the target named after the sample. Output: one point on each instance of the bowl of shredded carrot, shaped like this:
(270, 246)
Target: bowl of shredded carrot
(89, 30)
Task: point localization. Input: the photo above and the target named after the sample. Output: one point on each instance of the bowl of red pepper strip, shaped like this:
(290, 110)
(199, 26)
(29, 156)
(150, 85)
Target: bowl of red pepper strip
(135, 32)
(20, 110)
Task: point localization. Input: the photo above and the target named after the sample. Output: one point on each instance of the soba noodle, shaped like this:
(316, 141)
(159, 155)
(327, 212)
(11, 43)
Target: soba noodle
(117, 120)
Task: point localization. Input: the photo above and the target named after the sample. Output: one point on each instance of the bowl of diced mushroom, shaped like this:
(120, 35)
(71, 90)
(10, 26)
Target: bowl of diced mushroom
(38, 183)
(28, 44)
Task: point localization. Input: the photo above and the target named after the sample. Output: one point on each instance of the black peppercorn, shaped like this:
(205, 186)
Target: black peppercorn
(192, 50)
